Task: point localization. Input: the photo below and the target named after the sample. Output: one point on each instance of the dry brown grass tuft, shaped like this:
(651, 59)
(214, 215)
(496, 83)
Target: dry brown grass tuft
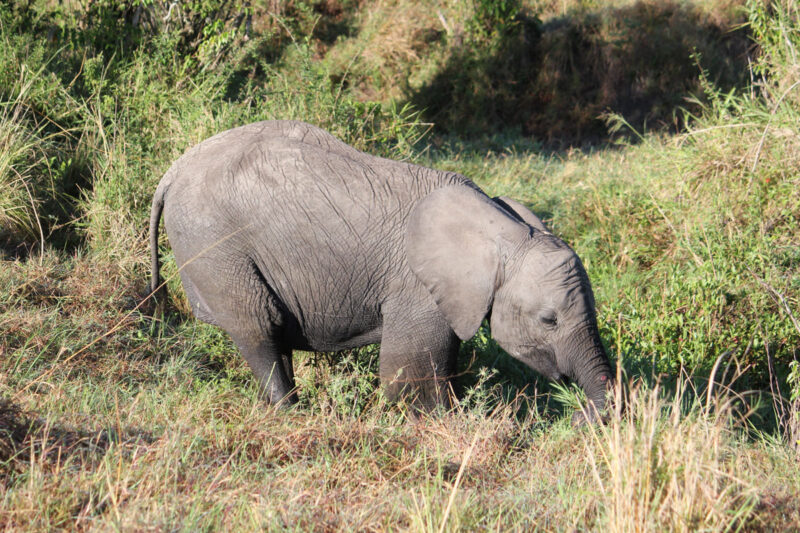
(669, 462)
(395, 47)
(26, 440)
(13, 431)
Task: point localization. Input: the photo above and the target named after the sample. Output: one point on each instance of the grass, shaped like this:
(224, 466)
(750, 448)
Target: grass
(171, 445)
(118, 418)
(18, 210)
(550, 70)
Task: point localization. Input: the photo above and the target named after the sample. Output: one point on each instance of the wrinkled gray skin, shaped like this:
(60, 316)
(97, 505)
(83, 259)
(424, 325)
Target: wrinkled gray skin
(287, 239)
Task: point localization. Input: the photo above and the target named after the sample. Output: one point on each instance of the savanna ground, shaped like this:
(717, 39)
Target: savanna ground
(660, 139)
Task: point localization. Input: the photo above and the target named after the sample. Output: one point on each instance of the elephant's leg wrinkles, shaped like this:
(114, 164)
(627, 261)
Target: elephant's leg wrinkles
(418, 358)
(240, 302)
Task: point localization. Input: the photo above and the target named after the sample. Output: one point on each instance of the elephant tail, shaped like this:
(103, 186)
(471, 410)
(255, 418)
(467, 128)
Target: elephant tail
(155, 218)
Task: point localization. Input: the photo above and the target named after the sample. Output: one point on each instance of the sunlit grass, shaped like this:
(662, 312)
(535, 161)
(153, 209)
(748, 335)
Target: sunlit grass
(118, 418)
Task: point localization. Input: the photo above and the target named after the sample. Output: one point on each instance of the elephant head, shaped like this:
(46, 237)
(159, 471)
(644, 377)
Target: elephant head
(479, 257)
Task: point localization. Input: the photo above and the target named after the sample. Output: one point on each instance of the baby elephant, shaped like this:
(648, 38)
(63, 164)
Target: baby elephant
(287, 238)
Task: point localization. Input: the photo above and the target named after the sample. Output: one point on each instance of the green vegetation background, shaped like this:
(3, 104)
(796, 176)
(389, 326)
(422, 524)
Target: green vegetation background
(660, 139)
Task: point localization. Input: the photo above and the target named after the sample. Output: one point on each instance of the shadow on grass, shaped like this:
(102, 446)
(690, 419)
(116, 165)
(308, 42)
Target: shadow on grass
(554, 81)
(24, 439)
(489, 376)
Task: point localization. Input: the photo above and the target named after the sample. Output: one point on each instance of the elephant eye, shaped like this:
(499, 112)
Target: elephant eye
(549, 319)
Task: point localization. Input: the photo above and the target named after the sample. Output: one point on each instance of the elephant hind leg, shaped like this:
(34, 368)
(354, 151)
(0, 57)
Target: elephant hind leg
(418, 360)
(199, 307)
(271, 364)
(235, 297)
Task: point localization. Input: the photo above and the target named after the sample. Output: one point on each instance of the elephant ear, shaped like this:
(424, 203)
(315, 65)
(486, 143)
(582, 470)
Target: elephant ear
(523, 213)
(455, 245)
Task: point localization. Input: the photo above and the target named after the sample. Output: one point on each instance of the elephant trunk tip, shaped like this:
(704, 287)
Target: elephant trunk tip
(599, 401)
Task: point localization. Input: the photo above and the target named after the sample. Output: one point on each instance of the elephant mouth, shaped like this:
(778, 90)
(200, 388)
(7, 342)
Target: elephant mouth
(539, 358)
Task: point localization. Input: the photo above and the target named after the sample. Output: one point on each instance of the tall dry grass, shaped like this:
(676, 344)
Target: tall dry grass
(668, 461)
(19, 214)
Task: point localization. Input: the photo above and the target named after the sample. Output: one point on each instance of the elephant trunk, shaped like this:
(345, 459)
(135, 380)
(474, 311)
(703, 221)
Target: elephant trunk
(589, 366)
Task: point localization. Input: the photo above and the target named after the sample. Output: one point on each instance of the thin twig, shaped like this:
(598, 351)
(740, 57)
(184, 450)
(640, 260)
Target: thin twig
(461, 469)
(712, 376)
(775, 388)
(35, 215)
(678, 236)
(279, 20)
(764, 134)
(712, 128)
(445, 25)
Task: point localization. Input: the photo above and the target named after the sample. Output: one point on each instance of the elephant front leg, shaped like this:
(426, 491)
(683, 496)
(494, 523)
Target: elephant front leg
(418, 360)
(272, 367)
